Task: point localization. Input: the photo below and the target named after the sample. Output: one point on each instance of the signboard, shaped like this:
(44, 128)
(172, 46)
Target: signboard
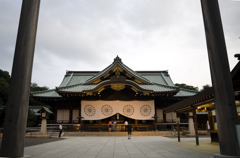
(178, 120)
(238, 135)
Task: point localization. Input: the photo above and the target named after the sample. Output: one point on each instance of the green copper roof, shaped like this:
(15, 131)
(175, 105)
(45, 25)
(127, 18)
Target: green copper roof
(155, 88)
(117, 61)
(78, 81)
(185, 93)
(75, 78)
(48, 93)
(161, 77)
(76, 88)
(44, 109)
(159, 88)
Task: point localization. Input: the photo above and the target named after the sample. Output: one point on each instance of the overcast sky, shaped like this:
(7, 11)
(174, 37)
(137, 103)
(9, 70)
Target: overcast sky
(86, 35)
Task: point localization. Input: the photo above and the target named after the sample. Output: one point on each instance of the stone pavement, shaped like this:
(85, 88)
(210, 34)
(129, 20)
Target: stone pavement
(121, 147)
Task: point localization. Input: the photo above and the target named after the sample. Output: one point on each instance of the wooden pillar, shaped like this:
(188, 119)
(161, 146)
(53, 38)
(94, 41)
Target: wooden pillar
(210, 120)
(55, 115)
(178, 129)
(164, 117)
(82, 124)
(79, 115)
(178, 132)
(100, 123)
(135, 124)
(195, 125)
(225, 107)
(154, 124)
(19, 90)
(70, 115)
(164, 114)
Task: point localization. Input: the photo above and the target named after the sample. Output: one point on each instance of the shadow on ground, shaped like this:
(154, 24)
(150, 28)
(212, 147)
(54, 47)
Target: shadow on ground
(36, 141)
(183, 136)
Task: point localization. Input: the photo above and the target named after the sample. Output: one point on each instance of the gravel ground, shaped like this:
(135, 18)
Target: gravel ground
(36, 141)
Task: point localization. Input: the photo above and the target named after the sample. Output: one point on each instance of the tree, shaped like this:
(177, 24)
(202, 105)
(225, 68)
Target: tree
(5, 75)
(32, 118)
(4, 86)
(205, 87)
(35, 87)
(183, 85)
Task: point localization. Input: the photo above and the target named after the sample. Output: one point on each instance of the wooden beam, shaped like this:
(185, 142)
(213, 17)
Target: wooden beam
(19, 90)
(225, 107)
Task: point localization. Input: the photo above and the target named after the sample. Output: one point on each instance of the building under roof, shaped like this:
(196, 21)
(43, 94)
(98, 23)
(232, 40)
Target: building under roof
(116, 93)
(204, 102)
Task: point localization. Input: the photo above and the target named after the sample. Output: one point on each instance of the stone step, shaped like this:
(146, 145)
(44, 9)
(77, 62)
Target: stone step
(136, 133)
(37, 134)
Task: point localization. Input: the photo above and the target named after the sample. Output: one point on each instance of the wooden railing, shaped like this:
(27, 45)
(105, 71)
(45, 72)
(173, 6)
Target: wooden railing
(171, 121)
(62, 121)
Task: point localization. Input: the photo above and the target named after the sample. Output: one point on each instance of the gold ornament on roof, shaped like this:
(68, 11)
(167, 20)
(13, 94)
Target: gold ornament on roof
(117, 73)
(118, 87)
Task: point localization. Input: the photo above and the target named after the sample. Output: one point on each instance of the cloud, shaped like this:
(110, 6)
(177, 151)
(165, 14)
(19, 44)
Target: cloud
(85, 35)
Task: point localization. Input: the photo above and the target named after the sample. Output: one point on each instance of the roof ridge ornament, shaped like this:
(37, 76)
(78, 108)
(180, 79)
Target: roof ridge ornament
(117, 73)
(117, 59)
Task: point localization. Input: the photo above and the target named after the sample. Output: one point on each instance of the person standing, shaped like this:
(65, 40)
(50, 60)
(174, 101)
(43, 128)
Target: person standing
(60, 130)
(115, 125)
(126, 123)
(129, 128)
(110, 126)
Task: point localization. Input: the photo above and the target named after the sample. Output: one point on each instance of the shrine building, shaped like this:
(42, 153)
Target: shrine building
(88, 99)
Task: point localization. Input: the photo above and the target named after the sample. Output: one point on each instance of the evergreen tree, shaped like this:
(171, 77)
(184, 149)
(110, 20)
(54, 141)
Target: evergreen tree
(183, 85)
(4, 86)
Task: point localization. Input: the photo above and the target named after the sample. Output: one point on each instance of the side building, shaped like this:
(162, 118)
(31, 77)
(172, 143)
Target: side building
(88, 100)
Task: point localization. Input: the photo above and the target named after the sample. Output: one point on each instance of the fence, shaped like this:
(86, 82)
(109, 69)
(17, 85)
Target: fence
(171, 120)
(62, 122)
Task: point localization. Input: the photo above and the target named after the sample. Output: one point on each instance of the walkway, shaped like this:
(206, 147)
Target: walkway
(121, 147)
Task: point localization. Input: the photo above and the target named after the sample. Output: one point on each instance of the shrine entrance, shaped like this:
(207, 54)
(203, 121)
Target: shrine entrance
(102, 125)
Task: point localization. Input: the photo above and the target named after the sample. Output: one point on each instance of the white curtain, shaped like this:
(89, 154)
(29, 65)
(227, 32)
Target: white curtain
(63, 115)
(75, 115)
(171, 116)
(160, 115)
(96, 110)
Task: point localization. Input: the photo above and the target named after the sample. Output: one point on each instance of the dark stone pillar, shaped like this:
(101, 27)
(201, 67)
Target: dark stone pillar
(19, 90)
(225, 107)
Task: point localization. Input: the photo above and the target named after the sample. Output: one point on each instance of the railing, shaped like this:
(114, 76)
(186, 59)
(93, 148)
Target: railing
(78, 122)
(62, 122)
(171, 121)
(37, 129)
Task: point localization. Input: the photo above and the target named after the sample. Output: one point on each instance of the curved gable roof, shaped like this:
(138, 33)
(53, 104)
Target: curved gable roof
(117, 63)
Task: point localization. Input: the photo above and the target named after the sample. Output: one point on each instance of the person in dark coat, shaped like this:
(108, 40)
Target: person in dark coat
(129, 128)
(110, 126)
